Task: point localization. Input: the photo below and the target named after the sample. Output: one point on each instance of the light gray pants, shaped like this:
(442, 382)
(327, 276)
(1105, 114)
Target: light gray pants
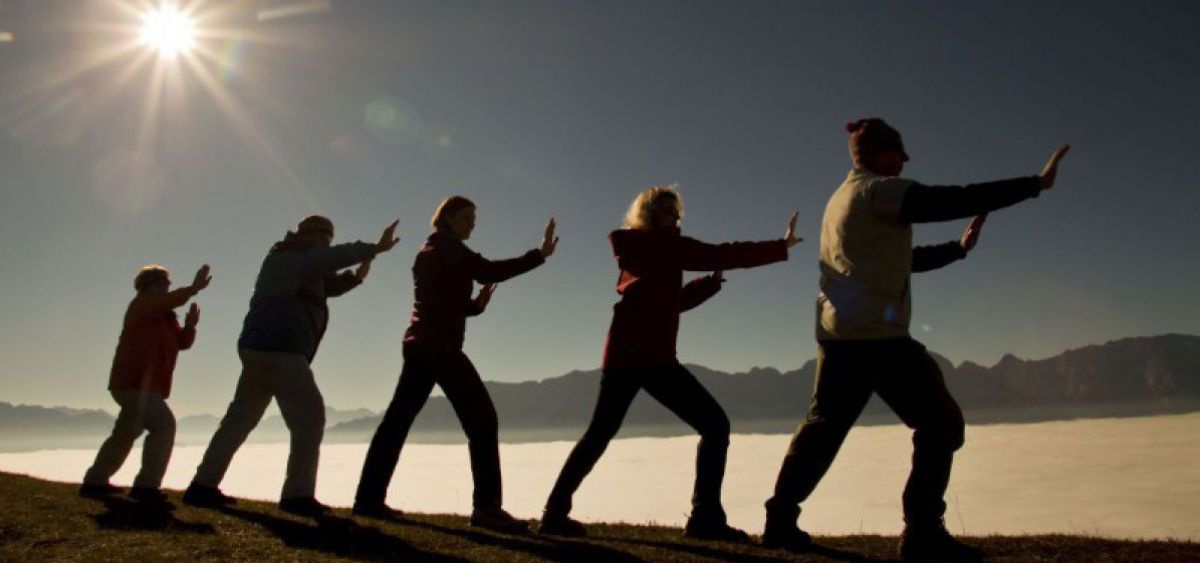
(287, 378)
(140, 410)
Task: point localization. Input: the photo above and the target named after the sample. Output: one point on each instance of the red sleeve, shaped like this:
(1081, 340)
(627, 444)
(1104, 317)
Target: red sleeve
(487, 271)
(150, 305)
(697, 292)
(704, 257)
(187, 337)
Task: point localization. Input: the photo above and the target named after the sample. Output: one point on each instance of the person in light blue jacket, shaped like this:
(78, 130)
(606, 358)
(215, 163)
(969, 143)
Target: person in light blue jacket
(279, 339)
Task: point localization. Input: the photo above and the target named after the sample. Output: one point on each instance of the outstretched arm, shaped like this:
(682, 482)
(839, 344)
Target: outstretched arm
(340, 284)
(187, 335)
(489, 272)
(323, 261)
(150, 305)
(704, 257)
(926, 258)
(700, 290)
(478, 305)
(926, 204)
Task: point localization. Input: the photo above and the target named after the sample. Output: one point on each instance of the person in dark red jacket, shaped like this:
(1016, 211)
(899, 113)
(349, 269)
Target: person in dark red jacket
(444, 275)
(640, 352)
(140, 382)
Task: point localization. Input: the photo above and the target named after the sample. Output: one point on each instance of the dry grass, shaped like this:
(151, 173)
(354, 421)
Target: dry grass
(43, 520)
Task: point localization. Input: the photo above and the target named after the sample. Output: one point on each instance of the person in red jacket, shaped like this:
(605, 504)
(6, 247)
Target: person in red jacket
(140, 382)
(640, 352)
(444, 275)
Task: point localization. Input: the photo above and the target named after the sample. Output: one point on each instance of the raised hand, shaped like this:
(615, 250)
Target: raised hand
(1046, 178)
(192, 317)
(388, 239)
(362, 270)
(971, 235)
(790, 236)
(485, 295)
(202, 278)
(549, 241)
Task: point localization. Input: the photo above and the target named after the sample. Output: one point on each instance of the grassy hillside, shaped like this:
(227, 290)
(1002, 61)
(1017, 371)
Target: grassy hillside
(42, 520)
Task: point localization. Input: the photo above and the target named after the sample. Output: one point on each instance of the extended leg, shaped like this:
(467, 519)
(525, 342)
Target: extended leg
(413, 389)
(303, 411)
(680, 391)
(617, 390)
(125, 432)
(249, 403)
(156, 450)
(841, 391)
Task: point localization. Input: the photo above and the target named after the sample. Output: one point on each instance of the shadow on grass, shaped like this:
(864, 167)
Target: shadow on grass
(339, 536)
(554, 549)
(124, 514)
(717, 553)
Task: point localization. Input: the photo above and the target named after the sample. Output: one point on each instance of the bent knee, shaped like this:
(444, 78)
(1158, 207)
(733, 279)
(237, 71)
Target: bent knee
(949, 435)
(717, 430)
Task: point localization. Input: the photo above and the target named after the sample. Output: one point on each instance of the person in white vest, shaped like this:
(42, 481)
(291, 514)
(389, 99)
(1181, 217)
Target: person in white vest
(864, 345)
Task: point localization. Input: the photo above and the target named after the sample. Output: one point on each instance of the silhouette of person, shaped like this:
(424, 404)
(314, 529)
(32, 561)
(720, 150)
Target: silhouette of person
(140, 382)
(444, 274)
(640, 352)
(279, 339)
(864, 345)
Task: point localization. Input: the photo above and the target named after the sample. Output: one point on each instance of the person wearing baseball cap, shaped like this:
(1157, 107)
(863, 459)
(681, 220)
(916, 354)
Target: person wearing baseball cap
(279, 339)
(863, 340)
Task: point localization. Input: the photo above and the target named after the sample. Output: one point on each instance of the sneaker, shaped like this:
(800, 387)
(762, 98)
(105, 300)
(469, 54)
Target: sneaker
(497, 520)
(932, 543)
(99, 490)
(376, 510)
(714, 531)
(148, 495)
(303, 506)
(553, 524)
(786, 536)
(206, 497)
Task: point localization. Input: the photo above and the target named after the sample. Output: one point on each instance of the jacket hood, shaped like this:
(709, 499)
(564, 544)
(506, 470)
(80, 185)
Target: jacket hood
(623, 240)
(292, 243)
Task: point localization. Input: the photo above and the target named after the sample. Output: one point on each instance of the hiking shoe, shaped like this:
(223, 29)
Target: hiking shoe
(206, 497)
(99, 490)
(786, 536)
(714, 530)
(303, 506)
(497, 520)
(932, 543)
(148, 495)
(561, 525)
(376, 510)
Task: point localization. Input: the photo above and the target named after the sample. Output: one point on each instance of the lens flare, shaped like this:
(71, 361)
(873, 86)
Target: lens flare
(168, 30)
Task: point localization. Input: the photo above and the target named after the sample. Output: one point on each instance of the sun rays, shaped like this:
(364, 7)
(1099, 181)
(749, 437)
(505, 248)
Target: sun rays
(168, 56)
(168, 30)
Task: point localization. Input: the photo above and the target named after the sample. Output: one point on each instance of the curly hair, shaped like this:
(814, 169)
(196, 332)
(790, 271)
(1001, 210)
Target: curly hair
(148, 275)
(648, 203)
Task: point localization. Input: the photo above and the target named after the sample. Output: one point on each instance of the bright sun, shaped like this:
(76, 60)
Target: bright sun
(168, 30)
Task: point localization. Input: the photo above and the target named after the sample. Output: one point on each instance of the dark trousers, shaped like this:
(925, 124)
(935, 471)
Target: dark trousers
(424, 366)
(904, 375)
(678, 390)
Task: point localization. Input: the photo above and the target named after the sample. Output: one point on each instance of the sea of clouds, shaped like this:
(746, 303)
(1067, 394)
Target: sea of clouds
(1125, 478)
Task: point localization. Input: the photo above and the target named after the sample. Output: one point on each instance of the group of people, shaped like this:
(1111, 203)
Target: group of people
(864, 347)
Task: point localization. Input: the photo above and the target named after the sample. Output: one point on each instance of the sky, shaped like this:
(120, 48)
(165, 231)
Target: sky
(112, 157)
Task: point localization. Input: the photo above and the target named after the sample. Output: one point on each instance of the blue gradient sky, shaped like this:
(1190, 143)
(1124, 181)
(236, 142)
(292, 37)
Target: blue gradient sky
(370, 110)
